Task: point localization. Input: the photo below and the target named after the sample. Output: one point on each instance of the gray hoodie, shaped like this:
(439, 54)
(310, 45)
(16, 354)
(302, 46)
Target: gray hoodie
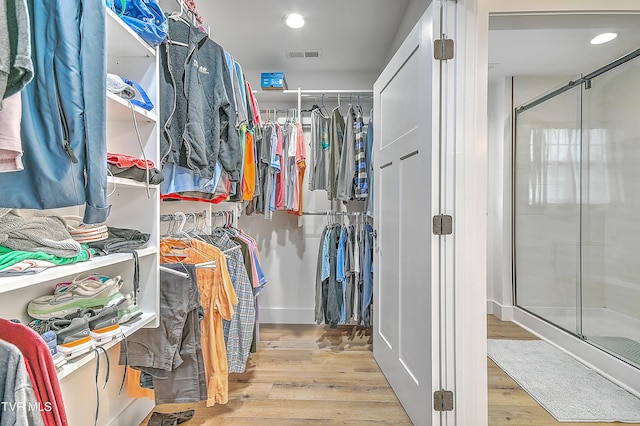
(16, 68)
(198, 118)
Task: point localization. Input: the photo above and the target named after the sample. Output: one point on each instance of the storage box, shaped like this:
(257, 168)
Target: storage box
(273, 81)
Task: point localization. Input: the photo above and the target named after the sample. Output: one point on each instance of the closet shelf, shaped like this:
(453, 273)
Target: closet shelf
(128, 183)
(122, 41)
(58, 272)
(118, 109)
(71, 366)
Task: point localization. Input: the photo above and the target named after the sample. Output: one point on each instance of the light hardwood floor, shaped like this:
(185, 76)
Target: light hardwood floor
(304, 374)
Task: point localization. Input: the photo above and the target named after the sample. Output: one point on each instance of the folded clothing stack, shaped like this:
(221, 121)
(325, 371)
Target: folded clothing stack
(130, 167)
(84, 233)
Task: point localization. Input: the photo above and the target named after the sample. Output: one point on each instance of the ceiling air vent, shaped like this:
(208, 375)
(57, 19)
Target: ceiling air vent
(304, 54)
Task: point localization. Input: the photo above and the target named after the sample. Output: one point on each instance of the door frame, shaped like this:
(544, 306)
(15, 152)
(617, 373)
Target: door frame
(472, 196)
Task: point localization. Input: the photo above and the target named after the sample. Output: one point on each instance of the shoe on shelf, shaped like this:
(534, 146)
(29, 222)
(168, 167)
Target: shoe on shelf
(127, 309)
(51, 339)
(63, 286)
(104, 324)
(92, 292)
(73, 336)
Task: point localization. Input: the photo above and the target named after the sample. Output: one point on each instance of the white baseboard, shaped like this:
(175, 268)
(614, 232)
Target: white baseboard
(134, 412)
(503, 313)
(286, 315)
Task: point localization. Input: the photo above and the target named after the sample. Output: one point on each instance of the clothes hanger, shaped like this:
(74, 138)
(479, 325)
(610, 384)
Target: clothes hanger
(193, 232)
(324, 107)
(180, 16)
(180, 232)
(338, 106)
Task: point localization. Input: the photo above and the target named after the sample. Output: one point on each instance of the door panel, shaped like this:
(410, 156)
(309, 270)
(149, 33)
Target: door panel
(387, 300)
(415, 249)
(397, 105)
(407, 179)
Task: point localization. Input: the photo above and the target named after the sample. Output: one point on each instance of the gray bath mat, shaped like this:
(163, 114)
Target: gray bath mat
(567, 389)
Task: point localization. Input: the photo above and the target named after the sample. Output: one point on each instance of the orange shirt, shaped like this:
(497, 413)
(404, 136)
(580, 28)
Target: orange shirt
(249, 175)
(217, 298)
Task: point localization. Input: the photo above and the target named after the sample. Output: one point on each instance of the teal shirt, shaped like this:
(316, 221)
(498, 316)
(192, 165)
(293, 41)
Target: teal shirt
(10, 257)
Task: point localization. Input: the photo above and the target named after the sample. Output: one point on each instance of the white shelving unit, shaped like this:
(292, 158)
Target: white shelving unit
(133, 206)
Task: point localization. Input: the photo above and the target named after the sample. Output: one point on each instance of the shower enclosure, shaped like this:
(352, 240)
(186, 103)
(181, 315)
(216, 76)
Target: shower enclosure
(576, 192)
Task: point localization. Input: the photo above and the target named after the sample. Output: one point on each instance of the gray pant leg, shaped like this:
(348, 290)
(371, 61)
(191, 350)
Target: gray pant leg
(183, 383)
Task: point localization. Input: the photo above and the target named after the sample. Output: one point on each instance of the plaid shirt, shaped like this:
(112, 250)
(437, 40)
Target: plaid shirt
(238, 333)
(362, 183)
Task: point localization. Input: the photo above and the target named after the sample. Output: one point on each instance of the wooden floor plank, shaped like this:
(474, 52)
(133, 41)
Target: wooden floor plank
(303, 375)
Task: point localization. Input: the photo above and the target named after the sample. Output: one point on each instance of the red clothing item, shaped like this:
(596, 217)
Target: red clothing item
(125, 161)
(41, 369)
(257, 121)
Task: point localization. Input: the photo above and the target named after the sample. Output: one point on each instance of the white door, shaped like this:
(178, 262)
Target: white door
(408, 256)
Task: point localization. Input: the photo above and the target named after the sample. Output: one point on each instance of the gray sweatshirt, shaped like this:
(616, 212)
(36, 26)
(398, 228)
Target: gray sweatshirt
(347, 170)
(19, 404)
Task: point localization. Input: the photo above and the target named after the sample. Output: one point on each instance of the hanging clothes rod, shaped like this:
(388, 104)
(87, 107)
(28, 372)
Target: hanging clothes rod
(276, 110)
(176, 216)
(332, 213)
(325, 91)
(190, 215)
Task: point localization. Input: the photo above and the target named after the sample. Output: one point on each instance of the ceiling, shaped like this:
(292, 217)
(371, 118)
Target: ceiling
(358, 36)
(557, 45)
(353, 35)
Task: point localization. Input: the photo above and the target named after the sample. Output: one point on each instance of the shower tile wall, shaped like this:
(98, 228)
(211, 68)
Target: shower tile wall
(546, 194)
(611, 192)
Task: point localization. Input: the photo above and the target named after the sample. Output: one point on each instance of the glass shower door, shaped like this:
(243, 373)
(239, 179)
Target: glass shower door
(547, 181)
(611, 211)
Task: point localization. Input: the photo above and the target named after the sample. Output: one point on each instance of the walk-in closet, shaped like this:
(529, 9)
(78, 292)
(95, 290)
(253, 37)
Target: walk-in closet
(249, 212)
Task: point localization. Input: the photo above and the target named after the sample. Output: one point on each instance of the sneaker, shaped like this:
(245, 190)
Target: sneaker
(104, 320)
(127, 309)
(73, 332)
(73, 336)
(104, 324)
(84, 293)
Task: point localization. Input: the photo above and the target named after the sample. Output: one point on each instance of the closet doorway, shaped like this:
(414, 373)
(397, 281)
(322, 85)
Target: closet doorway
(548, 36)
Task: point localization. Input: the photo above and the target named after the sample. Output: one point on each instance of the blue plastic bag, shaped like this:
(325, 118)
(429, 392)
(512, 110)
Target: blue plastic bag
(145, 17)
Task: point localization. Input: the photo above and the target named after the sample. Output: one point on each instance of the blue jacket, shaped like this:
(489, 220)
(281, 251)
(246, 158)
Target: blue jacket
(63, 112)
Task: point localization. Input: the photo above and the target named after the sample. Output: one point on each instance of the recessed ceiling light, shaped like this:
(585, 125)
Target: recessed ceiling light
(294, 20)
(603, 38)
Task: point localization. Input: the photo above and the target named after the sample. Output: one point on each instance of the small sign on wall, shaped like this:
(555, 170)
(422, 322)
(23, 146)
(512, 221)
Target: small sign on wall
(273, 81)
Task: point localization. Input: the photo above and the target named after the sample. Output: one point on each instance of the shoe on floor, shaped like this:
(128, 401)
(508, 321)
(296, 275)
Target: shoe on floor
(84, 293)
(170, 419)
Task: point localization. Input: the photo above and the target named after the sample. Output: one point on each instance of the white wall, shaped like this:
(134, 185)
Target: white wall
(415, 9)
(499, 280)
(289, 252)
